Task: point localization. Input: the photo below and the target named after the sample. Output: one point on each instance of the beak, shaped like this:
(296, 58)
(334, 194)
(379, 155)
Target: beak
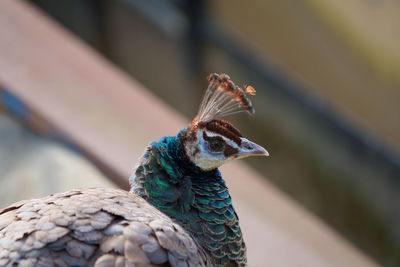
(248, 148)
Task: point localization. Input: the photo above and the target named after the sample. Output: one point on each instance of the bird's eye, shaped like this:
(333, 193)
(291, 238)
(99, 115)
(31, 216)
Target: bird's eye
(216, 145)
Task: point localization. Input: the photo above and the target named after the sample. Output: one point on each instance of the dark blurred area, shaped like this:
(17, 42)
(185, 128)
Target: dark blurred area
(327, 76)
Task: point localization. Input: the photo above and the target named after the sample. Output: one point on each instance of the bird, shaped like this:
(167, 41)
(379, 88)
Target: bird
(178, 211)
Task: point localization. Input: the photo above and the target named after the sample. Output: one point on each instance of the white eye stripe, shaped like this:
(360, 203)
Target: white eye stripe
(227, 140)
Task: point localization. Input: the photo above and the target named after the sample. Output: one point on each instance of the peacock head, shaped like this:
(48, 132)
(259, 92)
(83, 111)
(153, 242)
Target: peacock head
(211, 141)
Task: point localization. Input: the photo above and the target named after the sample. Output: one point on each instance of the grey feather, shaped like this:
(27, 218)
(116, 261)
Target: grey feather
(99, 226)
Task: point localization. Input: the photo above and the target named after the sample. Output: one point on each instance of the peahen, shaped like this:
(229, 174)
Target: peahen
(177, 213)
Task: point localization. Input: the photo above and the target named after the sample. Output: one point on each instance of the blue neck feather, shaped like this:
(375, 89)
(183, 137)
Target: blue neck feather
(196, 199)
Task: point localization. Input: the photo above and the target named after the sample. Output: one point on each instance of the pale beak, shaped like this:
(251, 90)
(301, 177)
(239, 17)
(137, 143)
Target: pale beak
(248, 148)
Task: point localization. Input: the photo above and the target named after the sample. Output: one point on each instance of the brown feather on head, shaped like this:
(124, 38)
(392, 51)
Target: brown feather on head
(223, 98)
(210, 141)
(250, 89)
(224, 128)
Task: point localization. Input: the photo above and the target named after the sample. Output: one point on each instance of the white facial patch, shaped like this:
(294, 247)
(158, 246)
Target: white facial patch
(200, 154)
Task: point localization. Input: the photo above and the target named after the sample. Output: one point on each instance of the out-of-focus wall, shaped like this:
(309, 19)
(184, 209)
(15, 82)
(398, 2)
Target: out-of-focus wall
(347, 53)
(369, 28)
(33, 166)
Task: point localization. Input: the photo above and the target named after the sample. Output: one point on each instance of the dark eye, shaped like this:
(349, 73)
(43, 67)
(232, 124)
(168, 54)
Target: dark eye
(216, 145)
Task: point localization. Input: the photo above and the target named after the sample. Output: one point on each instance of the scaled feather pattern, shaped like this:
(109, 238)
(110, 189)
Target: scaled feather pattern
(198, 200)
(98, 226)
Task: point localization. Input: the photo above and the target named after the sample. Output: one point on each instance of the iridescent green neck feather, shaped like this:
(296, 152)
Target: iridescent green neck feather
(198, 200)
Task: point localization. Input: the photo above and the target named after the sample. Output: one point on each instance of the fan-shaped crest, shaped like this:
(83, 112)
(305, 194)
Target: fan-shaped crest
(224, 98)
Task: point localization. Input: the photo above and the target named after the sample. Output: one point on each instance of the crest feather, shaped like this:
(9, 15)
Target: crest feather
(224, 98)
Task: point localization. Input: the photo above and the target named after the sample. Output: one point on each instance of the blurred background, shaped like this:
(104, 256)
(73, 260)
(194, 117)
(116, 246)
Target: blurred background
(327, 75)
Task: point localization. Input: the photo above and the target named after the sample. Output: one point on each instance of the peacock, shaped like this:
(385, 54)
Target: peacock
(178, 211)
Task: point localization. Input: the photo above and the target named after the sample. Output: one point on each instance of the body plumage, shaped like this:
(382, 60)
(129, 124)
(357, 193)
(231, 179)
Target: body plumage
(177, 213)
